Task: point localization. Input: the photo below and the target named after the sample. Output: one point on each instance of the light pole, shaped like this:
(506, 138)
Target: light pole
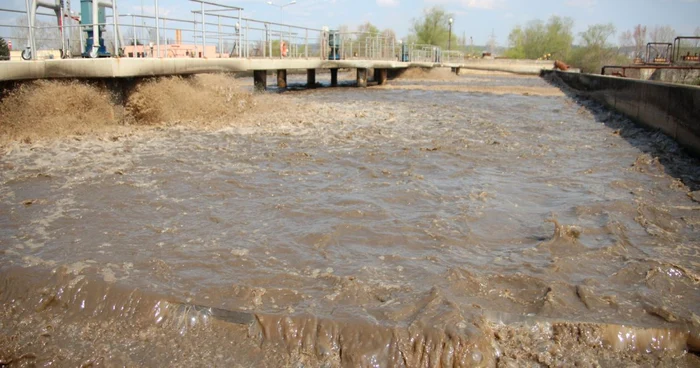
(282, 7)
(449, 37)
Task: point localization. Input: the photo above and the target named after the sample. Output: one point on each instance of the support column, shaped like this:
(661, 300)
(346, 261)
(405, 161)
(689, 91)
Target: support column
(334, 77)
(380, 76)
(310, 78)
(361, 77)
(457, 70)
(260, 80)
(282, 78)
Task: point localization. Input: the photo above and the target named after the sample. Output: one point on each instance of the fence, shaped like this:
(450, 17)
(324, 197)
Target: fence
(214, 31)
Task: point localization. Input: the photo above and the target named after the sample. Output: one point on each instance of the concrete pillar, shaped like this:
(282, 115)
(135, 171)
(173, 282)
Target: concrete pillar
(456, 70)
(282, 78)
(380, 76)
(361, 77)
(334, 77)
(310, 78)
(260, 80)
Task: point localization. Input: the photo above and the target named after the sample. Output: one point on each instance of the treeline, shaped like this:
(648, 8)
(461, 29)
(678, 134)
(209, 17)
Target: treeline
(591, 50)
(553, 39)
(432, 28)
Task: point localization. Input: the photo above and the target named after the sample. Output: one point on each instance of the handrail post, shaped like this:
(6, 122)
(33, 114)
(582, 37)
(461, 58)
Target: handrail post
(157, 29)
(133, 31)
(240, 37)
(204, 32)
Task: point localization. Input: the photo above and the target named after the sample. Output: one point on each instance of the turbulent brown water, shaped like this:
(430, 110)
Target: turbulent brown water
(438, 221)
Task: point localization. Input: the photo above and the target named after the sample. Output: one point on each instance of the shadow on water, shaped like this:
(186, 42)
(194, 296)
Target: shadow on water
(676, 160)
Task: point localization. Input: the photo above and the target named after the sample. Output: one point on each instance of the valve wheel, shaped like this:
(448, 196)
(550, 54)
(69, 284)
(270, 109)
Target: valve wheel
(27, 54)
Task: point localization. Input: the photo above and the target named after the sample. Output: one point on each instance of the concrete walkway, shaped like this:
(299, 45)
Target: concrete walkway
(133, 67)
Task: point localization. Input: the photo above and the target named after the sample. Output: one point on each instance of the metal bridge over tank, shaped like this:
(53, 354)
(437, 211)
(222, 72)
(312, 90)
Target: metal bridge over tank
(99, 42)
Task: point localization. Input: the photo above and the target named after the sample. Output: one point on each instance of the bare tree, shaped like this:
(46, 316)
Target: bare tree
(389, 34)
(130, 38)
(46, 34)
(662, 34)
(626, 39)
(368, 27)
(640, 39)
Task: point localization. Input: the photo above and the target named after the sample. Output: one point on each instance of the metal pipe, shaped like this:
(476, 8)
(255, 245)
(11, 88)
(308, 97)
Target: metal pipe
(204, 32)
(217, 4)
(672, 67)
(157, 28)
(95, 30)
(115, 25)
(240, 37)
(69, 32)
(166, 39)
(133, 30)
(262, 21)
(61, 29)
(80, 37)
(30, 46)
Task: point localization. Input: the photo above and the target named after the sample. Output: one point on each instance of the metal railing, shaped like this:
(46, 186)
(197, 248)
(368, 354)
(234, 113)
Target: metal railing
(215, 31)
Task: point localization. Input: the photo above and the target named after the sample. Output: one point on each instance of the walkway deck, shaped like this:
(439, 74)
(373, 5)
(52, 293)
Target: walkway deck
(132, 67)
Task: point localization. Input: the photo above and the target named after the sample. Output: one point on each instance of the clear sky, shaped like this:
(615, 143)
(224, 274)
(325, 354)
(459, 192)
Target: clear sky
(475, 18)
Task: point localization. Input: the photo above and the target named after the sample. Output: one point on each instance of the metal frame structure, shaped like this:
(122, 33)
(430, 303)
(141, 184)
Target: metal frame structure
(668, 52)
(677, 57)
(203, 14)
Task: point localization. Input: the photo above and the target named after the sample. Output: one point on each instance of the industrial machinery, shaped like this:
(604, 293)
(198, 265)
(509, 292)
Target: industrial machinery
(664, 55)
(659, 53)
(32, 5)
(334, 44)
(688, 53)
(93, 21)
(404, 52)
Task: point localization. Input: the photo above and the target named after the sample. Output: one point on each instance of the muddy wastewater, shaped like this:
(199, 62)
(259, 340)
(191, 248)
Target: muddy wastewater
(437, 221)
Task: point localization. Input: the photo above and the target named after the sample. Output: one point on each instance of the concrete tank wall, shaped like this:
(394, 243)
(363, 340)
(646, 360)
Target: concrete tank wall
(519, 66)
(673, 109)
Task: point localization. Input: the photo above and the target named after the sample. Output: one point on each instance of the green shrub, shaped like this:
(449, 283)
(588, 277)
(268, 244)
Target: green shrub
(4, 50)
